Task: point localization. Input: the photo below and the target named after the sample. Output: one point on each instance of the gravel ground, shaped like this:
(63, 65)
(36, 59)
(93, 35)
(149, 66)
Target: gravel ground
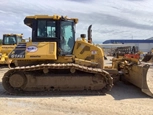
(122, 100)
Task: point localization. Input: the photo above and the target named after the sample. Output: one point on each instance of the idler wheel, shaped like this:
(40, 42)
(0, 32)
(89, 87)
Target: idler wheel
(17, 80)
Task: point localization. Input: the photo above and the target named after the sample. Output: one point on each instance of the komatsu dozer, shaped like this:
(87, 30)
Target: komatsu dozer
(9, 42)
(55, 60)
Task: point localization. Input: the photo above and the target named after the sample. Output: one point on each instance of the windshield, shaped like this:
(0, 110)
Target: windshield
(67, 37)
(9, 40)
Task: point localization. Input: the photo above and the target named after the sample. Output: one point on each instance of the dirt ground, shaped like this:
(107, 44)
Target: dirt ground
(122, 100)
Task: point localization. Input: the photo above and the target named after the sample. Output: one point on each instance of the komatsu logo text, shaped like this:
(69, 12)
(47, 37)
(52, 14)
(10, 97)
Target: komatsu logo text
(31, 49)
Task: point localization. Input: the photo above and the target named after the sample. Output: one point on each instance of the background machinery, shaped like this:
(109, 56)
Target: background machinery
(130, 52)
(148, 57)
(54, 60)
(9, 41)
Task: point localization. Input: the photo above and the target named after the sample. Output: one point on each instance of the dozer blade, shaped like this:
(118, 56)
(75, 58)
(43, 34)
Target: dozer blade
(151, 60)
(147, 57)
(142, 77)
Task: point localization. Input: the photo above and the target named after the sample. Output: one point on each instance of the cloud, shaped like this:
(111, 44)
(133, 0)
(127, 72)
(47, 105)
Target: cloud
(82, 1)
(135, 0)
(111, 19)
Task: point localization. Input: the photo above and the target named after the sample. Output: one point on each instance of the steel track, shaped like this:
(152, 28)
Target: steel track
(33, 68)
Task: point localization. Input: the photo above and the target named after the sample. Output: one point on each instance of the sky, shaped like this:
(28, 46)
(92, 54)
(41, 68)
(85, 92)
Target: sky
(110, 19)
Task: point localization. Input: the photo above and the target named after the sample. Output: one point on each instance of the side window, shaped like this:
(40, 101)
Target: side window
(19, 39)
(12, 40)
(51, 30)
(41, 28)
(46, 29)
(6, 40)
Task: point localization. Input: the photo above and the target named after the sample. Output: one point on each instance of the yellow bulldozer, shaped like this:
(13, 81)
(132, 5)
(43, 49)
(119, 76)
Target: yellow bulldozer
(55, 60)
(9, 42)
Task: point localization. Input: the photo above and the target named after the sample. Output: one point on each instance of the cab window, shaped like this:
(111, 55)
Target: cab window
(67, 37)
(19, 39)
(9, 40)
(46, 29)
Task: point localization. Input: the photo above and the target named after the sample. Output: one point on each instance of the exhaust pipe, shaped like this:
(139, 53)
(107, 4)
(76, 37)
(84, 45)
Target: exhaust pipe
(89, 34)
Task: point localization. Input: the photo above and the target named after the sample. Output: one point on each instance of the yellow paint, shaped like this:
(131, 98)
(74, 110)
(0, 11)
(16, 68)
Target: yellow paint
(93, 50)
(6, 49)
(54, 17)
(44, 50)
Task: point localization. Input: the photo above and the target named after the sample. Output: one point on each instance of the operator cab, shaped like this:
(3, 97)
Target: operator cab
(53, 29)
(11, 39)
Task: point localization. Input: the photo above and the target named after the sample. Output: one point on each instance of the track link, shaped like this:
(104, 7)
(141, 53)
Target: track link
(22, 71)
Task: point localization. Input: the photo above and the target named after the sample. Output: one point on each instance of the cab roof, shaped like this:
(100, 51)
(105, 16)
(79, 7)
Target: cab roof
(11, 34)
(29, 19)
